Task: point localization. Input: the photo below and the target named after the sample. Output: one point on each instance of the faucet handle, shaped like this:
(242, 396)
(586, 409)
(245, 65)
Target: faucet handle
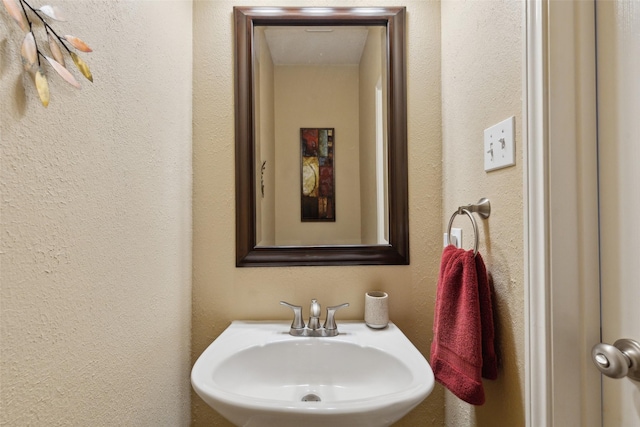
(330, 322)
(297, 323)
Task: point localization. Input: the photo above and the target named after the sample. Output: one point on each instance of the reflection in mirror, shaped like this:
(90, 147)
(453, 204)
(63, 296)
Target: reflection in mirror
(321, 136)
(321, 77)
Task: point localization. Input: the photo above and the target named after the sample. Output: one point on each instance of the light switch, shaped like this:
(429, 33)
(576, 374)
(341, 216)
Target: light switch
(499, 145)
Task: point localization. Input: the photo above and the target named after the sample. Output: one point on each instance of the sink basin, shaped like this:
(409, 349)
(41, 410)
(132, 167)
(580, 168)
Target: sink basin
(256, 374)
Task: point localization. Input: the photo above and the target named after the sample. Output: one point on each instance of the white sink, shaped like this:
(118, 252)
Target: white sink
(256, 374)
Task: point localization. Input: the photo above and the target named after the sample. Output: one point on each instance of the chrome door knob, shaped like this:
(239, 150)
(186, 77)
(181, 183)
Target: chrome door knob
(622, 359)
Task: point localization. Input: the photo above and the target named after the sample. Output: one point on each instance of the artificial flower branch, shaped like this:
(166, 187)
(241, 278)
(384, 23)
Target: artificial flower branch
(78, 44)
(31, 52)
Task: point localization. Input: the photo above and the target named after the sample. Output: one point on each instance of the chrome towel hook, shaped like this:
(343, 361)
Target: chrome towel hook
(482, 208)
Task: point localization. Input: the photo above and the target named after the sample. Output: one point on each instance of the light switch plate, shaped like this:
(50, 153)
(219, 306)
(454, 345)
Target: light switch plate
(499, 145)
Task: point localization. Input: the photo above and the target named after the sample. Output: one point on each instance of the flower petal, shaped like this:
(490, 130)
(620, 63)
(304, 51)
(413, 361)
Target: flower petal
(16, 13)
(54, 47)
(29, 51)
(43, 88)
(82, 66)
(64, 73)
(53, 12)
(78, 44)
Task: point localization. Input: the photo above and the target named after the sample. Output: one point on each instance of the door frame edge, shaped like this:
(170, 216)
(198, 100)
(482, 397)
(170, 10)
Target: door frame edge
(560, 220)
(536, 254)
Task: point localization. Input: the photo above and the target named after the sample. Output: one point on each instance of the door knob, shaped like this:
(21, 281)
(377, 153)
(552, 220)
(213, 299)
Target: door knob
(622, 359)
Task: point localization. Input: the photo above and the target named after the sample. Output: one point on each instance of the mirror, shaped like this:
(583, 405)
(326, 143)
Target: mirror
(321, 160)
(326, 184)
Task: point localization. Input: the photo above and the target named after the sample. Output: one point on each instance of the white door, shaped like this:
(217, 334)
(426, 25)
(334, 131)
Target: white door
(618, 55)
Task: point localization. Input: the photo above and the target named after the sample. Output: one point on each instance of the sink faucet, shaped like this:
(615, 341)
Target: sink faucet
(313, 329)
(314, 315)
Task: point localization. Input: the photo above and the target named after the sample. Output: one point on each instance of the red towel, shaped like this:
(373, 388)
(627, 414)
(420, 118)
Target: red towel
(463, 350)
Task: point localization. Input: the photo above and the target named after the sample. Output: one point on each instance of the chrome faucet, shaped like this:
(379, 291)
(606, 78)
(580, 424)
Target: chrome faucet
(313, 329)
(314, 315)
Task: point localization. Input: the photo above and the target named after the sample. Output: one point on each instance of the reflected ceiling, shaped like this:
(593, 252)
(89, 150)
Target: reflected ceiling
(292, 45)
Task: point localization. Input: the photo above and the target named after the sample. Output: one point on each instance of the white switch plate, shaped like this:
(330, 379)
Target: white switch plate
(456, 234)
(499, 145)
(455, 239)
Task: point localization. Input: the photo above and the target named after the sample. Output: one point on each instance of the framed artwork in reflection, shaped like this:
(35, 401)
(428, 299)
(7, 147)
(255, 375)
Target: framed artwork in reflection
(317, 174)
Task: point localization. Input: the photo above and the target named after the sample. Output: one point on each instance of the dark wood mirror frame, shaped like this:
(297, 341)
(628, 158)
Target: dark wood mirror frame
(247, 253)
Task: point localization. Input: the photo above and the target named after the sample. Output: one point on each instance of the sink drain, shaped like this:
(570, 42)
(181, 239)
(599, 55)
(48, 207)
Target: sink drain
(311, 398)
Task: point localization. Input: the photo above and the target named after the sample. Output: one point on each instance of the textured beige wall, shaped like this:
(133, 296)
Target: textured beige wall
(95, 224)
(222, 292)
(482, 85)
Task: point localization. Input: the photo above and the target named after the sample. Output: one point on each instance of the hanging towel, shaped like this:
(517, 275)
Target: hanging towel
(462, 351)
